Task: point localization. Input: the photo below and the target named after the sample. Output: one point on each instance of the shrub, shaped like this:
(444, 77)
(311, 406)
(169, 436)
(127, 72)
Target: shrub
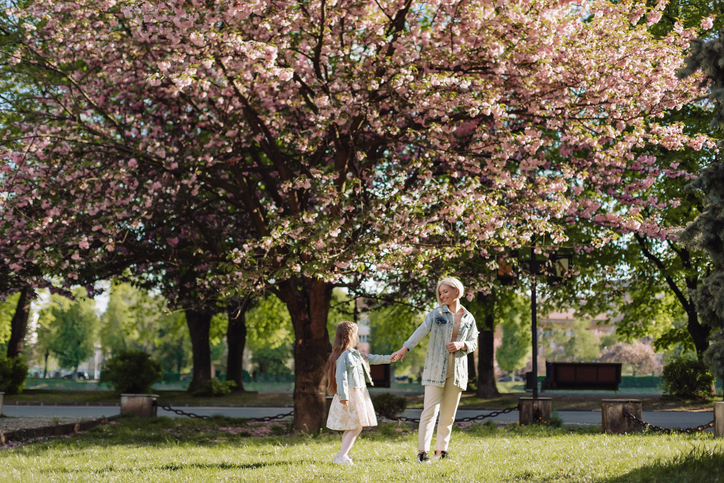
(215, 388)
(686, 378)
(388, 405)
(556, 421)
(131, 372)
(13, 372)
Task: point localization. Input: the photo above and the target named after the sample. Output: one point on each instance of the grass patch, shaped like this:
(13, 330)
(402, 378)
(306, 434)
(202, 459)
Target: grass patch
(228, 449)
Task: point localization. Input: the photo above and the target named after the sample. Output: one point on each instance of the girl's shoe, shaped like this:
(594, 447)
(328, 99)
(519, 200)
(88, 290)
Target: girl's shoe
(441, 456)
(342, 461)
(423, 458)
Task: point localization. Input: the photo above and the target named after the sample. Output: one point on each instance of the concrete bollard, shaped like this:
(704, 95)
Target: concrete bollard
(718, 419)
(534, 410)
(613, 419)
(1, 403)
(139, 405)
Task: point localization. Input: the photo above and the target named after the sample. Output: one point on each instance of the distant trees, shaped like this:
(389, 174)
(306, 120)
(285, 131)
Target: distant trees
(7, 310)
(137, 319)
(67, 329)
(572, 342)
(515, 350)
(637, 355)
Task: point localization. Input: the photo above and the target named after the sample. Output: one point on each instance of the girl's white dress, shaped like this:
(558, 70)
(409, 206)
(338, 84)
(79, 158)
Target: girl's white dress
(358, 412)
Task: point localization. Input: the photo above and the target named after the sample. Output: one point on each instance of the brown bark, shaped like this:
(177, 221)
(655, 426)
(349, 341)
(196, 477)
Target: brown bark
(19, 323)
(236, 341)
(45, 369)
(699, 333)
(472, 371)
(199, 324)
(308, 304)
(486, 348)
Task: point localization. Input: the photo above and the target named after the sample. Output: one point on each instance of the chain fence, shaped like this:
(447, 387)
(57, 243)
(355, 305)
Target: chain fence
(631, 417)
(659, 429)
(167, 407)
(469, 419)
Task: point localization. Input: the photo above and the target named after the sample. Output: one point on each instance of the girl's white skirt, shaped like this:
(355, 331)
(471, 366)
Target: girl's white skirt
(358, 411)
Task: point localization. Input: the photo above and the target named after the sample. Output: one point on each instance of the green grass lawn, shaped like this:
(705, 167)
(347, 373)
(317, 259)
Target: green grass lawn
(224, 449)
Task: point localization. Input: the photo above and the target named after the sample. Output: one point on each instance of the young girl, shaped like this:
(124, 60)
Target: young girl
(347, 372)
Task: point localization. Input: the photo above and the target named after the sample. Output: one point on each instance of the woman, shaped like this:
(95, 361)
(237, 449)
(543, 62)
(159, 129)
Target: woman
(453, 335)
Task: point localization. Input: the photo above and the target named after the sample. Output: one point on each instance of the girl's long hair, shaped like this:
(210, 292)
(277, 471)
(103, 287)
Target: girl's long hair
(343, 340)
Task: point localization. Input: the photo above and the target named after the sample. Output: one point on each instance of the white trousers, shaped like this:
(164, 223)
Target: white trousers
(442, 399)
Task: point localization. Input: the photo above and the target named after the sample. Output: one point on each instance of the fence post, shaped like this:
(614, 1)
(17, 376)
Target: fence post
(139, 405)
(1, 403)
(613, 419)
(534, 410)
(719, 419)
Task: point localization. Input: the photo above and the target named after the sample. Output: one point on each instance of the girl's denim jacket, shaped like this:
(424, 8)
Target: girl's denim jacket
(353, 371)
(439, 324)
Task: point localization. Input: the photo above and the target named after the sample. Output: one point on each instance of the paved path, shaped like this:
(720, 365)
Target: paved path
(667, 419)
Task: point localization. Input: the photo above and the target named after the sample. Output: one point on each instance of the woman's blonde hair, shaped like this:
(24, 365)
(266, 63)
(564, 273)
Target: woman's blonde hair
(452, 282)
(343, 340)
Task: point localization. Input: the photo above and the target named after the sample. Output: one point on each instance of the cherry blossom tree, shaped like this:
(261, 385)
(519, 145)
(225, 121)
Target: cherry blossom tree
(350, 135)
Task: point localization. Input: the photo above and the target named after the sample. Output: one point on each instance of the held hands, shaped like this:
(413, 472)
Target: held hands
(399, 355)
(343, 403)
(455, 346)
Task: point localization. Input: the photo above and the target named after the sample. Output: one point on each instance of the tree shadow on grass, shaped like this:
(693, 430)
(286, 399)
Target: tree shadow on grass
(171, 467)
(698, 466)
(222, 466)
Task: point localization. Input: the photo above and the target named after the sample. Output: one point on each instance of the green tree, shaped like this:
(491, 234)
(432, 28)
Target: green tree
(629, 276)
(137, 319)
(173, 351)
(115, 320)
(391, 326)
(705, 233)
(572, 343)
(515, 350)
(269, 334)
(68, 329)
(7, 310)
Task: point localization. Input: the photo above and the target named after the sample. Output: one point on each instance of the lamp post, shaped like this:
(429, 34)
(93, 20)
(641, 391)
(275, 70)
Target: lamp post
(506, 275)
(533, 314)
(561, 266)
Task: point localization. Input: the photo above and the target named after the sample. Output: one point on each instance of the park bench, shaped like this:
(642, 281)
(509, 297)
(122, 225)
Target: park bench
(380, 375)
(603, 376)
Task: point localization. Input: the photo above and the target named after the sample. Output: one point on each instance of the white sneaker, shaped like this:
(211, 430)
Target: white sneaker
(342, 461)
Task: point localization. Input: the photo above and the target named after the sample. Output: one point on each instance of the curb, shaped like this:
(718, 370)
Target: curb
(57, 430)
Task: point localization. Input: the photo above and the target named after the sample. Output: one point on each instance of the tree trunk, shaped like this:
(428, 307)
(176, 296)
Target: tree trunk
(472, 372)
(486, 349)
(236, 341)
(45, 369)
(199, 324)
(19, 323)
(308, 304)
(699, 333)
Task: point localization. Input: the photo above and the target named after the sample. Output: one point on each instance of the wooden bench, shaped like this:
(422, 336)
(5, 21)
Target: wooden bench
(380, 375)
(602, 376)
